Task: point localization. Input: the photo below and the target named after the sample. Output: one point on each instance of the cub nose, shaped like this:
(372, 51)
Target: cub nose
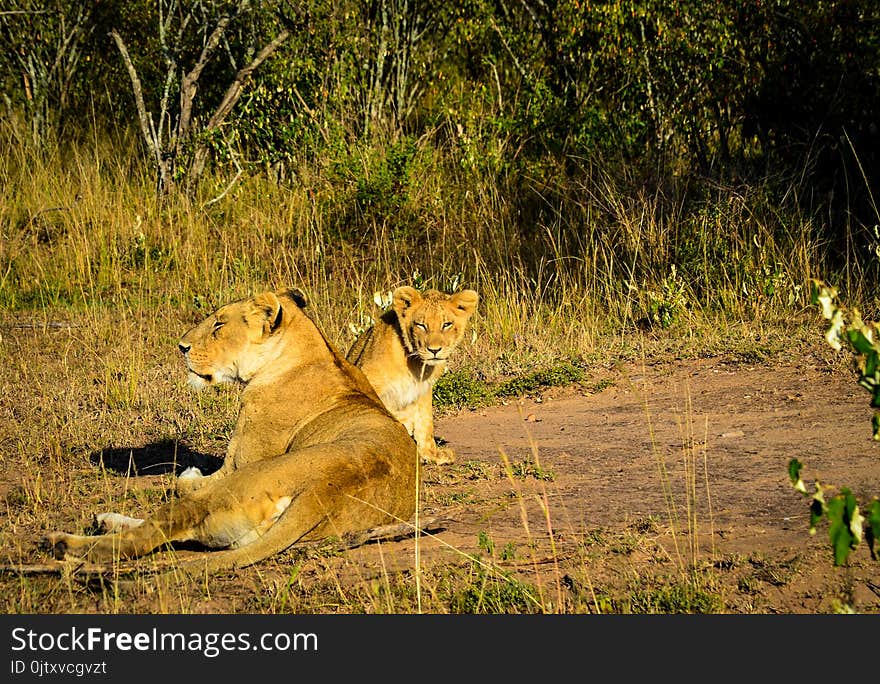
(183, 347)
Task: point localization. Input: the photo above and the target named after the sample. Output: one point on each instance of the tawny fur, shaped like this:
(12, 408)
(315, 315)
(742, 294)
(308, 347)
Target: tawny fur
(407, 350)
(314, 452)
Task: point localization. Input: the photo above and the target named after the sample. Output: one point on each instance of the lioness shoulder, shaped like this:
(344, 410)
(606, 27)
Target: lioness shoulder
(407, 350)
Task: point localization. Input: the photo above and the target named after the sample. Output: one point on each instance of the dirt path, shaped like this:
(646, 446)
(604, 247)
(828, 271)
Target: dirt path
(700, 445)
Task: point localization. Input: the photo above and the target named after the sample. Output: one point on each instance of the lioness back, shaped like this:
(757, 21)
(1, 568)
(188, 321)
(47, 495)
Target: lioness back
(407, 350)
(314, 451)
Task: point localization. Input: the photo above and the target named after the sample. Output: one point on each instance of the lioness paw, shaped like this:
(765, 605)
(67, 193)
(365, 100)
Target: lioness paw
(115, 522)
(189, 480)
(190, 473)
(54, 543)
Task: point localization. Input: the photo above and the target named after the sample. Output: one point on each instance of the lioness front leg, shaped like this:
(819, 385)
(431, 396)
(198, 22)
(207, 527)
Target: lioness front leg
(192, 479)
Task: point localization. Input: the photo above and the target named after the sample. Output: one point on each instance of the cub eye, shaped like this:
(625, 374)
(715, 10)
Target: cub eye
(217, 325)
(421, 326)
(447, 325)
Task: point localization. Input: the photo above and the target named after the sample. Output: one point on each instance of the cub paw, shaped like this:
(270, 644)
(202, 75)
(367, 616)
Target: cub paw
(440, 456)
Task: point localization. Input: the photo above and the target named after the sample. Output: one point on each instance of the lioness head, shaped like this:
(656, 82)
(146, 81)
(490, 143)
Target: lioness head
(235, 341)
(432, 323)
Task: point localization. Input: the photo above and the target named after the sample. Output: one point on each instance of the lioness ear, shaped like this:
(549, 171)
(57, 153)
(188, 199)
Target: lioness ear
(465, 301)
(403, 298)
(297, 296)
(268, 305)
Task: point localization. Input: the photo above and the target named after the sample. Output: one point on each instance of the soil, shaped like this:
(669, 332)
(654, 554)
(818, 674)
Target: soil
(675, 465)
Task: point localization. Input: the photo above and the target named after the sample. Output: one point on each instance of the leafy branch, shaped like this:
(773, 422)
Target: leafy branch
(846, 328)
(847, 527)
(179, 131)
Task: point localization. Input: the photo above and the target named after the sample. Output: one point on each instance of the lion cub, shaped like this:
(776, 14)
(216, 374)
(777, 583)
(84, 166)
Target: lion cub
(405, 353)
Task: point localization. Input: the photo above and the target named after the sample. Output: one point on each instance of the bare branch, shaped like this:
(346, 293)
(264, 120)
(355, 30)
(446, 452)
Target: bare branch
(233, 93)
(519, 67)
(143, 115)
(189, 84)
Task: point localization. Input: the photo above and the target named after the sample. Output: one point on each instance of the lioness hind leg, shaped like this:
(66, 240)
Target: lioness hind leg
(175, 521)
(129, 543)
(223, 514)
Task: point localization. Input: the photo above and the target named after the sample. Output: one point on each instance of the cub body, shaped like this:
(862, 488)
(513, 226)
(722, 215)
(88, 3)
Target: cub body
(407, 350)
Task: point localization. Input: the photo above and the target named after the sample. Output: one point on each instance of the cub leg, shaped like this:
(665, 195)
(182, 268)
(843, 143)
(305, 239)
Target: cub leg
(421, 427)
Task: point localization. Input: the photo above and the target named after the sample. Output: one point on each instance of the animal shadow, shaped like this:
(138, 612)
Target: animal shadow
(157, 458)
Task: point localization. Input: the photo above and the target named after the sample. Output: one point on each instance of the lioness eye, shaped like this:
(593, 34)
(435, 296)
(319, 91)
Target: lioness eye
(447, 325)
(217, 326)
(422, 326)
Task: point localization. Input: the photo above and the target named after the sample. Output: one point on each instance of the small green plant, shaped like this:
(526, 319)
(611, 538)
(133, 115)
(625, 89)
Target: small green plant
(847, 527)
(459, 389)
(748, 585)
(488, 589)
(667, 304)
(529, 468)
(670, 596)
(563, 373)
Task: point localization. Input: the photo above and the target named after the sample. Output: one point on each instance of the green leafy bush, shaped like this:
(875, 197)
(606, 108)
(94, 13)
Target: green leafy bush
(847, 526)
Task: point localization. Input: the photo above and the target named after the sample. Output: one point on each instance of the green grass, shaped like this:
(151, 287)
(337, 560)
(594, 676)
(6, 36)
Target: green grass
(672, 597)
(462, 389)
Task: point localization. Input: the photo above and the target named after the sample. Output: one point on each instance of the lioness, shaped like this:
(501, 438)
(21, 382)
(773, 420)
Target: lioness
(314, 452)
(405, 352)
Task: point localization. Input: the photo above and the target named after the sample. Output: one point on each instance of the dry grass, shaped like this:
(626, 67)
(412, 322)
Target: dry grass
(98, 280)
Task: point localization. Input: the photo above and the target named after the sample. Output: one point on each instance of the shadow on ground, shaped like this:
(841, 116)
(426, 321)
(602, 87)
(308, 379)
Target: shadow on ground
(157, 458)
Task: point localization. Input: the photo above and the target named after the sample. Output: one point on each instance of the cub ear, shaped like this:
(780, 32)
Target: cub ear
(297, 296)
(269, 306)
(403, 298)
(465, 301)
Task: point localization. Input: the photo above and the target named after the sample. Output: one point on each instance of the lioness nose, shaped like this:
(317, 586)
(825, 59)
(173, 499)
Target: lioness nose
(184, 348)
(434, 350)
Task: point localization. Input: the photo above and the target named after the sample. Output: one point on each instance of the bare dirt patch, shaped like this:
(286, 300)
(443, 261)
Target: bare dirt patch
(690, 456)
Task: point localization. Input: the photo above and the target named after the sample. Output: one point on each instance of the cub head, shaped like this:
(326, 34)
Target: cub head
(235, 341)
(432, 323)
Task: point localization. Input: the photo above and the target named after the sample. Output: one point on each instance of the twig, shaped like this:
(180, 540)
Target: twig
(232, 95)
(226, 191)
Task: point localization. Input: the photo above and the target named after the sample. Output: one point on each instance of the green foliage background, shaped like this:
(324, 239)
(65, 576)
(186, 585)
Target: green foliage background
(775, 101)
